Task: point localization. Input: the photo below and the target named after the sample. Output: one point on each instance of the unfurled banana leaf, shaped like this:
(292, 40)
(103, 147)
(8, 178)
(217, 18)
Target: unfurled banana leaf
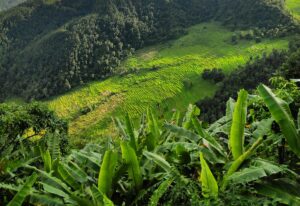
(193, 111)
(54, 190)
(131, 160)
(284, 191)
(25, 190)
(261, 168)
(107, 172)
(237, 163)
(47, 160)
(99, 198)
(176, 118)
(263, 127)
(281, 113)
(45, 200)
(160, 161)
(51, 180)
(153, 131)
(183, 133)
(53, 145)
(230, 104)
(236, 139)
(247, 175)
(160, 191)
(269, 167)
(209, 184)
(67, 176)
(207, 139)
(130, 132)
(89, 159)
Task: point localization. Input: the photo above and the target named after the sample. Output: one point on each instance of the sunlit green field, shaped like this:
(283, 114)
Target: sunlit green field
(294, 7)
(178, 63)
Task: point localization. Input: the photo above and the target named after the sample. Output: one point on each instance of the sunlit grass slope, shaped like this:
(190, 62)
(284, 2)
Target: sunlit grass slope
(174, 83)
(294, 7)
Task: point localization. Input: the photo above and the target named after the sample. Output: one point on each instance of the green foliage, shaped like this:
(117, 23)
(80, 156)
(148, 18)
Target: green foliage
(167, 174)
(160, 191)
(210, 187)
(153, 131)
(281, 113)
(132, 164)
(23, 192)
(107, 172)
(284, 191)
(237, 139)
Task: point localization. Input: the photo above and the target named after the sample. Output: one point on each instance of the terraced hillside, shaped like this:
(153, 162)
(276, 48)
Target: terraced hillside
(163, 77)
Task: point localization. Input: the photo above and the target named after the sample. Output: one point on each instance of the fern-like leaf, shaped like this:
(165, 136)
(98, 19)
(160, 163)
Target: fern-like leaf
(25, 190)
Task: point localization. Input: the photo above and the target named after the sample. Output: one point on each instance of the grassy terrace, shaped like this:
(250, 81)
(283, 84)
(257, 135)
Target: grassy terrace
(178, 63)
(294, 7)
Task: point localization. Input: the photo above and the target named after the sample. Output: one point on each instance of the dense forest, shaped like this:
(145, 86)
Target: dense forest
(86, 40)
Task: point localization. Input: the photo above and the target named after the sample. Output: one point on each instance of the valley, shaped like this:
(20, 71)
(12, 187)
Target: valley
(165, 77)
(149, 102)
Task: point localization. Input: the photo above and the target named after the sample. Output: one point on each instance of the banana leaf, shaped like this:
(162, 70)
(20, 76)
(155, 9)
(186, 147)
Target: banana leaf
(107, 172)
(281, 113)
(153, 131)
(209, 184)
(19, 198)
(131, 160)
(236, 139)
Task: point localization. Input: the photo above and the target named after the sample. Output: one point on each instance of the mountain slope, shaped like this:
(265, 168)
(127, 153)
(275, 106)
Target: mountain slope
(164, 76)
(49, 47)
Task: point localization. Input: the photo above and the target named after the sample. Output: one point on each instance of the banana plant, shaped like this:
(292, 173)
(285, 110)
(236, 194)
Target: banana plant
(281, 113)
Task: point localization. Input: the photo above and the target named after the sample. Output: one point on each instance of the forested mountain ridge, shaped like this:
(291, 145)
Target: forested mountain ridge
(48, 47)
(6, 4)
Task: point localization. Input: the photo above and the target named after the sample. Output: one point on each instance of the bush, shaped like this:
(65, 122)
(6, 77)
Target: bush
(215, 75)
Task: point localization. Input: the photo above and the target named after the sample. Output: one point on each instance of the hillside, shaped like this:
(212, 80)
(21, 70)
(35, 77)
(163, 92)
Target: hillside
(150, 102)
(7, 4)
(86, 40)
(164, 77)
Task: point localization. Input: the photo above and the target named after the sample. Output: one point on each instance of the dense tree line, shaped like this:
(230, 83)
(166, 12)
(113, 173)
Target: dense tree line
(49, 48)
(256, 71)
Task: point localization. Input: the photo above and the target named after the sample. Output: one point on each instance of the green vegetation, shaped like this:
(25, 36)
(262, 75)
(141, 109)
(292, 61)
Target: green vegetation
(163, 77)
(178, 162)
(294, 7)
(258, 70)
(124, 129)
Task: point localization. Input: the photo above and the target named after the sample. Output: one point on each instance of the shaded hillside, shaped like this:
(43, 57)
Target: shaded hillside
(48, 47)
